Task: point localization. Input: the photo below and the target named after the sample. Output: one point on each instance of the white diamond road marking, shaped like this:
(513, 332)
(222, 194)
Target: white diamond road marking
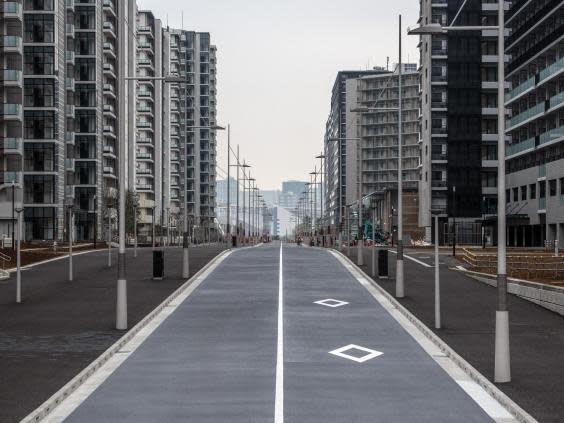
(330, 302)
(340, 352)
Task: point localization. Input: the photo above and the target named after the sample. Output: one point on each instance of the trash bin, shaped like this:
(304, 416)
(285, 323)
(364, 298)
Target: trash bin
(233, 241)
(382, 263)
(158, 264)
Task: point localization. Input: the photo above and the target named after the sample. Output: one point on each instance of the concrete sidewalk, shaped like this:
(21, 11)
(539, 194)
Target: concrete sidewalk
(277, 334)
(63, 326)
(468, 320)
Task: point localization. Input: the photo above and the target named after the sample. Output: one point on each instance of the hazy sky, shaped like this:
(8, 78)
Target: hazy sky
(277, 61)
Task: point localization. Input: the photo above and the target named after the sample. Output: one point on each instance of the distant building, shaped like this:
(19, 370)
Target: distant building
(335, 148)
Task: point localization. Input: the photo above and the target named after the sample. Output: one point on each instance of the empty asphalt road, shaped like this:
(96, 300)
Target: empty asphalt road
(280, 333)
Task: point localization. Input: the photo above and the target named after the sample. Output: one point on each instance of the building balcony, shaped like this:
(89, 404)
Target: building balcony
(69, 137)
(69, 165)
(109, 7)
(144, 125)
(109, 149)
(109, 69)
(551, 70)
(109, 130)
(144, 63)
(145, 94)
(144, 141)
(144, 156)
(109, 29)
(109, 49)
(556, 100)
(69, 30)
(69, 56)
(13, 78)
(69, 84)
(12, 111)
(109, 110)
(9, 178)
(12, 44)
(517, 148)
(69, 110)
(147, 30)
(13, 10)
(144, 187)
(109, 170)
(146, 172)
(69, 4)
(13, 145)
(526, 115)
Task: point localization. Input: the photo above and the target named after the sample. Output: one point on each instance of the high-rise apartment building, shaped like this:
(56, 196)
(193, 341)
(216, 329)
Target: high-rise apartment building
(64, 61)
(149, 146)
(338, 140)
(76, 95)
(459, 116)
(535, 156)
(376, 169)
(189, 119)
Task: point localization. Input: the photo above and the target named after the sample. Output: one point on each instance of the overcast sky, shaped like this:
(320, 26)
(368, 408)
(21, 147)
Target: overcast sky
(277, 61)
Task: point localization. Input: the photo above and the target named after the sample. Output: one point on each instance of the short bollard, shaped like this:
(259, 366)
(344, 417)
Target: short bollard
(158, 264)
(383, 263)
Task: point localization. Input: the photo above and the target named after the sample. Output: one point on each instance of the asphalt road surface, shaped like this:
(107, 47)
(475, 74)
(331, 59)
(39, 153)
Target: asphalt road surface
(280, 333)
(60, 327)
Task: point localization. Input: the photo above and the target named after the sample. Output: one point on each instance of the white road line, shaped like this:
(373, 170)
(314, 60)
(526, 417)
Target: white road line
(413, 259)
(478, 394)
(63, 403)
(279, 398)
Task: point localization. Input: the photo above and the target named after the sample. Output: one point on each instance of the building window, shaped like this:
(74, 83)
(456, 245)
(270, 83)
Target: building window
(562, 186)
(39, 93)
(524, 192)
(38, 60)
(515, 194)
(39, 29)
(39, 124)
(85, 69)
(38, 157)
(85, 43)
(39, 5)
(552, 187)
(39, 223)
(533, 191)
(489, 152)
(489, 179)
(39, 189)
(542, 189)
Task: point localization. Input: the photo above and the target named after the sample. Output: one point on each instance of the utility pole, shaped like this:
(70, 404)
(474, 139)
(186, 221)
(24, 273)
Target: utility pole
(399, 257)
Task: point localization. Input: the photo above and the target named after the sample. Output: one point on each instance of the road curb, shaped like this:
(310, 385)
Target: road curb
(48, 406)
(520, 414)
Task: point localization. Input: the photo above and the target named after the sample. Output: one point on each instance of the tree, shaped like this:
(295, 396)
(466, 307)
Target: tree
(130, 202)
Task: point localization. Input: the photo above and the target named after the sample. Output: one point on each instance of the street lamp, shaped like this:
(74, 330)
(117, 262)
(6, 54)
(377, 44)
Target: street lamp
(321, 156)
(400, 287)
(359, 258)
(13, 209)
(502, 367)
(135, 205)
(70, 228)
(19, 210)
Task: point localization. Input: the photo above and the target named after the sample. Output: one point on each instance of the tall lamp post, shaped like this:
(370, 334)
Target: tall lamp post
(321, 156)
(121, 300)
(502, 366)
(18, 256)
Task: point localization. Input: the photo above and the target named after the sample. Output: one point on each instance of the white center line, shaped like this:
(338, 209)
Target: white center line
(279, 398)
